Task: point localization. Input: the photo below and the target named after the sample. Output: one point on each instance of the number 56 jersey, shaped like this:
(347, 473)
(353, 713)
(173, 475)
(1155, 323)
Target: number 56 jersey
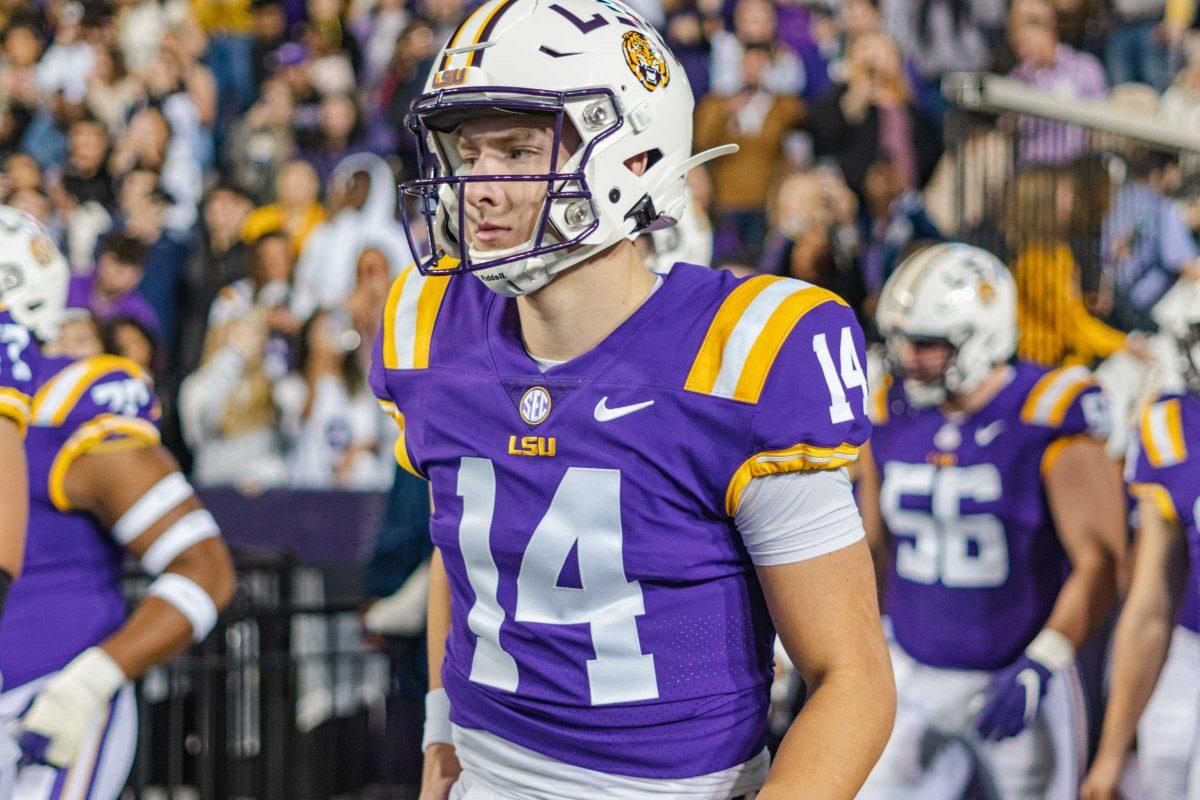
(976, 562)
(604, 610)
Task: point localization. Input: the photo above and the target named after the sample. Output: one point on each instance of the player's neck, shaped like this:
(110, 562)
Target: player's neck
(582, 305)
(982, 394)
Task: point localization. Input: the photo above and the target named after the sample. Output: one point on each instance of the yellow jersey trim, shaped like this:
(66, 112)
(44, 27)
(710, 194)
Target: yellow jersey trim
(104, 433)
(409, 316)
(879, 399)
(15, 406)
(59, 395)
(746, 334)
(1051, 397)
(401, 448)
(1161, 433)
(798, 458)
(1161, 498)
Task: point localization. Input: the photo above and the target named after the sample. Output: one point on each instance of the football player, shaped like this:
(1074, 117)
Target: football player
(998, 521)
(637, 479)
(100, 485)
(1153, 691)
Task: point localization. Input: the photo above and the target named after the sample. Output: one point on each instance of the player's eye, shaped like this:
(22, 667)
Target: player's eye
(521, 153)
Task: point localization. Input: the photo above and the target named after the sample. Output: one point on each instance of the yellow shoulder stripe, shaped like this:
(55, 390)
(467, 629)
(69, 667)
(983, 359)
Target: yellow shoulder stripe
(15, 406)
(879, 399)
(409, 316)
(1161, 498)
(106, 431)
(1161, 432)
(798, 458)
(746, 334)
(54, 401)
(1051, 397)
(401, 449)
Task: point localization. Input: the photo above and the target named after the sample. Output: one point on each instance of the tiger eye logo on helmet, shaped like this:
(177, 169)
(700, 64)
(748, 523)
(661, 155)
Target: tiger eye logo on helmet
(42, 250)
(644, 61)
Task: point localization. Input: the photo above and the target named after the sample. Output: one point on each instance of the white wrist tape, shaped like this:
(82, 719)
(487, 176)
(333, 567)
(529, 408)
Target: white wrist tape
(188, 530)
(437, 719)
(1052, 650)
(189, 599)
(150, 507)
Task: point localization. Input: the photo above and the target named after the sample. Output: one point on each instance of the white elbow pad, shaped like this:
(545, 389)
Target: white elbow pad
(188, 530)
(189, 599)
(159, 499)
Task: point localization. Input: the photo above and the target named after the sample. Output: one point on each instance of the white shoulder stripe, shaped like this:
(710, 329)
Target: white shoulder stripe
(59, 392)
(1047, 403)
(405, 319)
(747, 330)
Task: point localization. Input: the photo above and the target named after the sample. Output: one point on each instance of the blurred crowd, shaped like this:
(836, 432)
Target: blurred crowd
(222, 175)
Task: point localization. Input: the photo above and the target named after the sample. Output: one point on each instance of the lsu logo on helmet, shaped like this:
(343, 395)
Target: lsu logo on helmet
(644, 61)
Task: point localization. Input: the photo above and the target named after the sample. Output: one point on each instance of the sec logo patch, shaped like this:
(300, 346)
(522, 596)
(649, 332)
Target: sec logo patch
(535, 405)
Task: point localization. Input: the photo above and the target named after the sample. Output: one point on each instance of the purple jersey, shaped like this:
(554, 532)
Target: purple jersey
(1166, 462)
(604, 610)
(69, 595)
(19, 366)
(976, 562)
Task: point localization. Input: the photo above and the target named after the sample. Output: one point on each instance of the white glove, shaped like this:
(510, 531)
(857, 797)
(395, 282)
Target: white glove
(66, 707)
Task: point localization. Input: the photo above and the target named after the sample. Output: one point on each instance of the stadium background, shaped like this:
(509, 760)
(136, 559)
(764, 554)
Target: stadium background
(222, 178)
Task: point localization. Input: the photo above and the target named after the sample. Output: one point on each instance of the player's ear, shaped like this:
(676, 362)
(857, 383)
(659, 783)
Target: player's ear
(637, 164)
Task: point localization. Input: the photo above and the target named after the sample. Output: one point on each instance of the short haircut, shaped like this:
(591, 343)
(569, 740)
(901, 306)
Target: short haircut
(125, 249)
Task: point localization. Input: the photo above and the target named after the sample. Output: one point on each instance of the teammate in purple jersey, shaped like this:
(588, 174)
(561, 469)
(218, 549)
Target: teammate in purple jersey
(1163, 470)
(100, 485)
(637, 480)
(998, 521)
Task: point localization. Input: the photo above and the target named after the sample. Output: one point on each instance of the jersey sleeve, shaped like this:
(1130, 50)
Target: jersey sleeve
(97, 404)
(1160, 449)
(18, 362)
(1066, 402)
(796, 352)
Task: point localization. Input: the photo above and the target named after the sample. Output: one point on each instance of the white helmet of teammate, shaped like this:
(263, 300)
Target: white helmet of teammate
(594, 65)
(1178, 318)
(33, 274)
(954, 293)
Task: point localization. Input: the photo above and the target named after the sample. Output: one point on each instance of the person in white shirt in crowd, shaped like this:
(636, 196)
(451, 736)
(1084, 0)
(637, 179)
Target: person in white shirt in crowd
(363, 214)
(329, 418)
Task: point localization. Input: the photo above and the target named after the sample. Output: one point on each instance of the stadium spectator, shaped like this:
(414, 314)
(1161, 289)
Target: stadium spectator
(872, 114)
(758, 120)
(892, 220)
(111, 90)
(297, 208)
(373, 279)
(1180, 103)
(813, 235)
(1146, 244)
(1054, 325)
(362, 213)
(329, 419)
(340, 132)
(112, 290)
(754, 25)
(262, 141)
(228, 25)
(1136, 51)
(85, 178)
(79, 336)
(129, 338)
(1047, 63)
(219, 258)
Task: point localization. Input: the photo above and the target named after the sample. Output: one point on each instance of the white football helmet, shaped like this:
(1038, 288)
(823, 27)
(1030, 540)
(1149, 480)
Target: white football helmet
(689, 240)
(34, 275)
(595, 65)
(1178, 318)
(958, 294)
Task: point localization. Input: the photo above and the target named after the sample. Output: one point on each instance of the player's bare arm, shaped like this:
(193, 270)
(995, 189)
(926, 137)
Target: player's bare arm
(14, 499)
(138, 493)
(1087, 500)
(1140, 642)
(825, 612)
(441, 767)
(109, 484)
(866, 491)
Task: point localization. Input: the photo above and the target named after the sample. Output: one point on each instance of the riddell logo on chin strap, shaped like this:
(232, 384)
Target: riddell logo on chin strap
(532, 446)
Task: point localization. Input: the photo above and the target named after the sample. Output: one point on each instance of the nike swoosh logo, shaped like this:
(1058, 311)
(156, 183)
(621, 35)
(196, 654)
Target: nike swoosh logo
(605, 414)
(1032, 682)
(988, 433)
